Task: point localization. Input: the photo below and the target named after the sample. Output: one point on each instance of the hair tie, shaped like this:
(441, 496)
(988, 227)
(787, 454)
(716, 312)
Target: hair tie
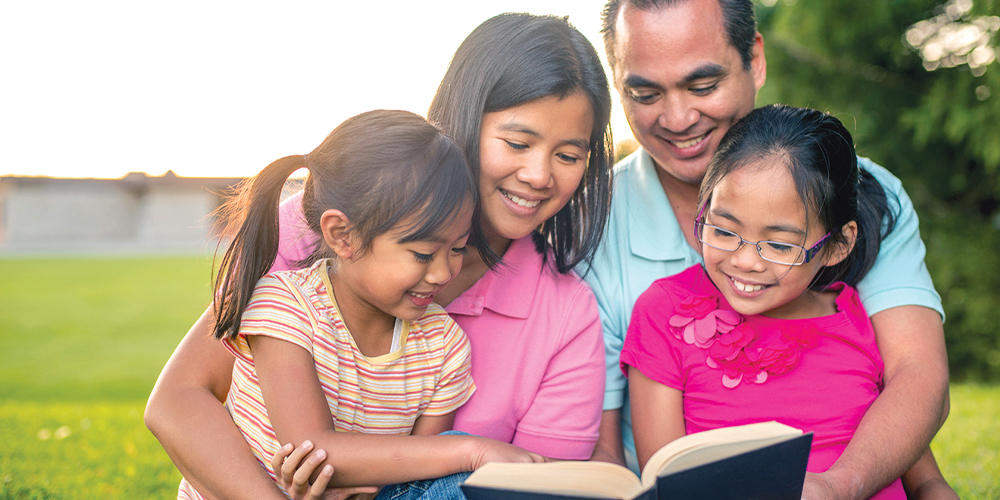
(305, 160)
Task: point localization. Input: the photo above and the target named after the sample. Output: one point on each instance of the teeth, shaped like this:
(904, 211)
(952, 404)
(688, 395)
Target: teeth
(688, 143)
(744, 287)
(520, 201)
(420, 295)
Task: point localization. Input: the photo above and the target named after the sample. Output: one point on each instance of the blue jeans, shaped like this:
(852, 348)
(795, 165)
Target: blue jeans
(444, 488)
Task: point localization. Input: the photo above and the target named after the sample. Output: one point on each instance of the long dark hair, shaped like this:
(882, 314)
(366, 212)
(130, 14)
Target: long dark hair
(512, 59)
(379, 168)
(819, 153)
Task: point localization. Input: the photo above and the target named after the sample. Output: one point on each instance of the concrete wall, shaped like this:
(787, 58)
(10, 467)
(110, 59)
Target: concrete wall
(134, 214)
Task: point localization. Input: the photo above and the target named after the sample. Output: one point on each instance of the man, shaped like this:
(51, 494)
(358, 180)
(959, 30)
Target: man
(686, 71)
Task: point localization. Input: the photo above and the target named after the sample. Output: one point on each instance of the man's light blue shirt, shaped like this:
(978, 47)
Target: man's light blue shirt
(644, 243)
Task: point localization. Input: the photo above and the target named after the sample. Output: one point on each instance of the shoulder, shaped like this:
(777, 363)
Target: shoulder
(885, 178)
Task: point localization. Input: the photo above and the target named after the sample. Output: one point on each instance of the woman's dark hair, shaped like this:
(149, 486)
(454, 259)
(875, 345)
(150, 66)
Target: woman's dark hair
(380, 168)
(512, 59)
(819, 153)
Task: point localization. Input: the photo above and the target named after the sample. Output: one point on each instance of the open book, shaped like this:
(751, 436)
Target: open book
(765, 460)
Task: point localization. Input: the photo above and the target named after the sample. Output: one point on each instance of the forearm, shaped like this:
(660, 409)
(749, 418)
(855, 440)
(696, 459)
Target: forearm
(924, 480)
(609, 446)
(900, 424)
(185, 413)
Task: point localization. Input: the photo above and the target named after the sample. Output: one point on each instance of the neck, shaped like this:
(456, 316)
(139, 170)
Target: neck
(370, 327)
(683, 198)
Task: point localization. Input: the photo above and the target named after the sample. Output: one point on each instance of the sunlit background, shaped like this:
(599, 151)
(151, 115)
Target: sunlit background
(103, 88)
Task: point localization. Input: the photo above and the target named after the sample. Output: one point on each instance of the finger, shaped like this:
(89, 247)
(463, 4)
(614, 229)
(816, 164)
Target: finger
(291, 463)
(305, 471)
(318, 487)
(279, 457)
(344, 493)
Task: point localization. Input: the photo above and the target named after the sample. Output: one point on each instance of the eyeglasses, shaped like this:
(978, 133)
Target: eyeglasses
(777, 252)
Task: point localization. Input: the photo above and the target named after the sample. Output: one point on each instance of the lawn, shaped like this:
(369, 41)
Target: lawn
(82, 340)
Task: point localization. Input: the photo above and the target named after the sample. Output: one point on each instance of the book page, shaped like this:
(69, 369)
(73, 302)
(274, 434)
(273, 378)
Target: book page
(709, 446)
(585, 479)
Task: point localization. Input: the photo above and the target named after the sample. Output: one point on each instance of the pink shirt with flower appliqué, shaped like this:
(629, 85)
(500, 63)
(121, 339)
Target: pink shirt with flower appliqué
(816, 374)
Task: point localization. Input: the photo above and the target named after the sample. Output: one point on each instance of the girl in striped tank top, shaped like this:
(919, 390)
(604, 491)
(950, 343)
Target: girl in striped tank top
(351, 352)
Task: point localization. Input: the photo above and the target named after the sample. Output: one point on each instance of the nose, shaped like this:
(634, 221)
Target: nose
(677, 114)
(536, 172)
(439, 272)
(746, 258)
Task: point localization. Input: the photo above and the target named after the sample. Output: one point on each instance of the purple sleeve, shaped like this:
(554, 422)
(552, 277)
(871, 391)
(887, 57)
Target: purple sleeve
(649, 344)
(295, 241)
(565, 414)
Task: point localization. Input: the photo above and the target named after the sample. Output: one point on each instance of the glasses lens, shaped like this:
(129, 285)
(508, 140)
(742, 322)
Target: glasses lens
(719, 238)
(781, 253)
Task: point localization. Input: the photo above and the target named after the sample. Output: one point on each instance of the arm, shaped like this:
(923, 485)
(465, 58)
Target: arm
(924, 481)
(185, 413)
(609, 446)
(299, 411)
(657, 414)
(901, 422)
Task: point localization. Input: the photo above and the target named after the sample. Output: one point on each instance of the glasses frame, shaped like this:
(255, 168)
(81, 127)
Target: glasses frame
(810, 253)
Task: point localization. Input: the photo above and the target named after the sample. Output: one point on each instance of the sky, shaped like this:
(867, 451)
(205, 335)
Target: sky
(217, 88)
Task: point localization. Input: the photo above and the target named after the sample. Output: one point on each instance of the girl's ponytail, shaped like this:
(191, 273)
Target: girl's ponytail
(251, 220)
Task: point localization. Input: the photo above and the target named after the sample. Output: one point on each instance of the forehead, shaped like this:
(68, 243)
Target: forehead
(761, 193)
(672, 41)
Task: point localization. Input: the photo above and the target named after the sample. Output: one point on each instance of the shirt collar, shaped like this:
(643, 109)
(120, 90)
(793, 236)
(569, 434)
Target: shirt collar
(509, 289)
(653, 231)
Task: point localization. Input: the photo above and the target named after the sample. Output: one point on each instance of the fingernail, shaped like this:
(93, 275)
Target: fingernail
(287, 446)
(321, 454)
(328, 470)
(307, 444)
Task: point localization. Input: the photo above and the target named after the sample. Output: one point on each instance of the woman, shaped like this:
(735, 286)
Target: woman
(527, 99)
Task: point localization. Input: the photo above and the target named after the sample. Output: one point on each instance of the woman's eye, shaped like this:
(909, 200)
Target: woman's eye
(567, 158)
(423, 257)
(515, 145)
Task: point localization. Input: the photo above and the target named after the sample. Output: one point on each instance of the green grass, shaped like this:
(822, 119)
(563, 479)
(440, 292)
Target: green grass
(83, 339)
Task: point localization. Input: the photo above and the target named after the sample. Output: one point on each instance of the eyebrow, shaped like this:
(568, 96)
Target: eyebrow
(707, 70)
(774, 228)
(514, 126)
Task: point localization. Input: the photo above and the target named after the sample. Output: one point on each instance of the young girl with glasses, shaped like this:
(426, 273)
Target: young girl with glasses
(351, 351)
(770, 327)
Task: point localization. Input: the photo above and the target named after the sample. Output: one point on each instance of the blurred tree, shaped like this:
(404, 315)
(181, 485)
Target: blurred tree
(918, 84)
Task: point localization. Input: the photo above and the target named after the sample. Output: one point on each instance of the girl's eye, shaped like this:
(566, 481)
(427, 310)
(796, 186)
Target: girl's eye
(722, 233)
(516, 146)
(461, 250)
(780, 247)
(423, 257)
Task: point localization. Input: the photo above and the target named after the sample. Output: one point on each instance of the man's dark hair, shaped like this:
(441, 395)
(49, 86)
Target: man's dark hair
(738, 19)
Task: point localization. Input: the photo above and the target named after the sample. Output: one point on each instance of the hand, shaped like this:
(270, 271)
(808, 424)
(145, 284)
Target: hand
(486, 450)
(293, 473)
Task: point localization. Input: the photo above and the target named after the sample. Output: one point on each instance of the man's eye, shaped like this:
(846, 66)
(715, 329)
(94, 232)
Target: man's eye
(703, 90)
(644, 97)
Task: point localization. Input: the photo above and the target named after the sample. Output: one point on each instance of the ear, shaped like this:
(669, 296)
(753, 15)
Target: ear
(758, 65)
(841, 251)
(336, 233)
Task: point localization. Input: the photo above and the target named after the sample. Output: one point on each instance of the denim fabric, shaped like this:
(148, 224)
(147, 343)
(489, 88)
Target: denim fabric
(444, 488)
